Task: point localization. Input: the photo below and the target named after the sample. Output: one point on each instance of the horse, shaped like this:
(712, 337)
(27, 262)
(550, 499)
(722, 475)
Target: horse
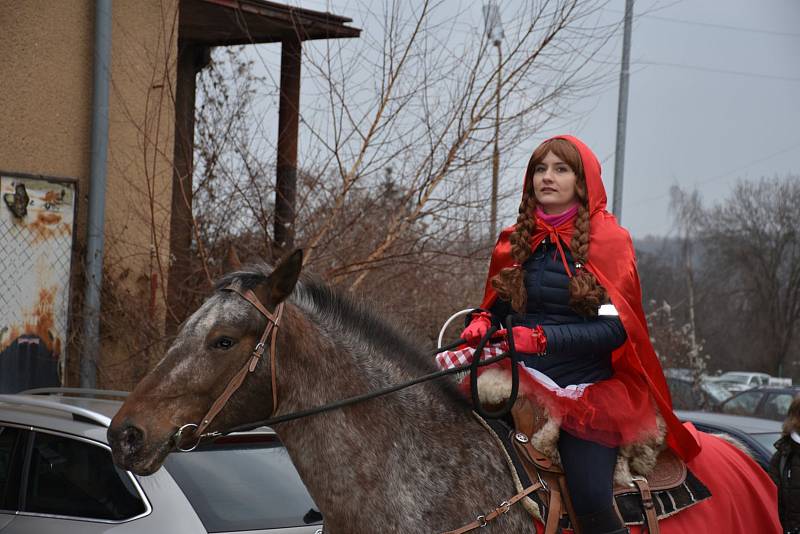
(413, 461)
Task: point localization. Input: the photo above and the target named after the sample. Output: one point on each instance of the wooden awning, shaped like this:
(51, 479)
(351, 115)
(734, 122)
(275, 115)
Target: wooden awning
(234, 22)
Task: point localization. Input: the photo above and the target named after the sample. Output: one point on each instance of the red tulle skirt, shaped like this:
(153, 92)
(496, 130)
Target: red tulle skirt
(614, 412)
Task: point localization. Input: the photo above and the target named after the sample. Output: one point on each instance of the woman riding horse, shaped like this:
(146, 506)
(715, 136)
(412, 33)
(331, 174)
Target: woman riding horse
(565, 274)
(415, 461)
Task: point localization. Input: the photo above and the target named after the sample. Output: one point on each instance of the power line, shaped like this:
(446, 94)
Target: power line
(720, 71)
(728, 173)
(722, 26)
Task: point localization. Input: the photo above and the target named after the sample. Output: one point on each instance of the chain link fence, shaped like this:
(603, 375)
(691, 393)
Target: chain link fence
(36, 235)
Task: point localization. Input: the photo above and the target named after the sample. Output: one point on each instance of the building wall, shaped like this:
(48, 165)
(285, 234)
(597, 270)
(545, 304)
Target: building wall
(46, 84)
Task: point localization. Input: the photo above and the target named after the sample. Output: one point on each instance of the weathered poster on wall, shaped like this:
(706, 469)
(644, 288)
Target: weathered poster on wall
(36, 236)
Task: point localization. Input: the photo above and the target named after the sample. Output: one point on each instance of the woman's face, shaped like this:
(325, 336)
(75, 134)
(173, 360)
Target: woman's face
(554, 185)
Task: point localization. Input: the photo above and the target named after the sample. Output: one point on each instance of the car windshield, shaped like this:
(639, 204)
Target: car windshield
(768, 439)
(731, 377)
(716, 391)
(243, 482)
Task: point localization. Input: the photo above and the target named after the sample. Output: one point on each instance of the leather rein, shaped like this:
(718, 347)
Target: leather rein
(270, 335)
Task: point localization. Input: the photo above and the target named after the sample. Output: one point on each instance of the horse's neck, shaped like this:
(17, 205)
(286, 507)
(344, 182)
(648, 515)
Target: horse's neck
(378, 465)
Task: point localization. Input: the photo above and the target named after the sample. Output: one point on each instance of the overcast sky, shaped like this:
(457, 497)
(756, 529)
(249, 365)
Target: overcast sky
(713, 98)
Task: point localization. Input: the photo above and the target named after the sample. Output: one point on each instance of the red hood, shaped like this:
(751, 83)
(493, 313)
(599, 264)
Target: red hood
(592, 172)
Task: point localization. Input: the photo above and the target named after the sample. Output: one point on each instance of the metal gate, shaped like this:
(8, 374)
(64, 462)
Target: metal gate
(36, 234)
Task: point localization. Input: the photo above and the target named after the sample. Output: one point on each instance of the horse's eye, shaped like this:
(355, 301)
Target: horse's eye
(223, 343)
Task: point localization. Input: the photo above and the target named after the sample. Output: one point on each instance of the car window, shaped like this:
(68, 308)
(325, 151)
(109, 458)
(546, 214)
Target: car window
(9, 458)
(75, 478)
(682, 394)
(776, 406)
(732, 377)
(236, 485)
(742, 404)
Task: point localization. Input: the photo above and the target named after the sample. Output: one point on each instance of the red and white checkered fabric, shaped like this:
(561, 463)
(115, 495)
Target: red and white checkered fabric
(455, 358)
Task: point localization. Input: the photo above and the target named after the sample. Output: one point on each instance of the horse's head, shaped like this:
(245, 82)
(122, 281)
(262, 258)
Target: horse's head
(211, 347)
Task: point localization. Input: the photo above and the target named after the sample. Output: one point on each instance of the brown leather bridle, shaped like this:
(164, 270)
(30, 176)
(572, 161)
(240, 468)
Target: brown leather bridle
(268, 335)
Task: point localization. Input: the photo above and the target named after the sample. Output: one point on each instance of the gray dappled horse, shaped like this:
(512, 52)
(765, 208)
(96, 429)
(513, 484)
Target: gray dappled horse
(413, 461)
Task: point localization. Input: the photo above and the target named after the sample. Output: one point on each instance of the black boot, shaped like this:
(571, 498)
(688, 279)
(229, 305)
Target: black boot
(603, 522)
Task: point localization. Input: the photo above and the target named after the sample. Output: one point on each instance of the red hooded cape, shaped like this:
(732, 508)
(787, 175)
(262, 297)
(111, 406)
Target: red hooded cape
(612, 260)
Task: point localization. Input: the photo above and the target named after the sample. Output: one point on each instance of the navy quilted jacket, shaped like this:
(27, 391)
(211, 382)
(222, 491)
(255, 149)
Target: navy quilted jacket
(578, 348)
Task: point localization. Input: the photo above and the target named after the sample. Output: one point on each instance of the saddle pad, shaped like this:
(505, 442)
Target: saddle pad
(668, 502)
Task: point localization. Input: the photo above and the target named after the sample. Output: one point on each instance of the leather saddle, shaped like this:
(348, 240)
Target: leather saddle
(670, 488)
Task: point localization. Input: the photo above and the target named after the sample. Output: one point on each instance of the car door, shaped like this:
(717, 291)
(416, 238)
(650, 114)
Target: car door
(69, 485)
(745, 403)
(776, 405)
(11, 439)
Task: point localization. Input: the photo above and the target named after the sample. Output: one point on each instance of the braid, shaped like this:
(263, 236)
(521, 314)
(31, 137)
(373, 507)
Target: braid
(585, 292)
(510, 282)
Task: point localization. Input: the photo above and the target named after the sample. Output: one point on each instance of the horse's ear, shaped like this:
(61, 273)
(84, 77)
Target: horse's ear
(231, 262)
(281, 282)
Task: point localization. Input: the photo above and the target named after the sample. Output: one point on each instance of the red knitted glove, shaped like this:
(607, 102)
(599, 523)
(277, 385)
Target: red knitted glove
(530, 340)
(480, 324)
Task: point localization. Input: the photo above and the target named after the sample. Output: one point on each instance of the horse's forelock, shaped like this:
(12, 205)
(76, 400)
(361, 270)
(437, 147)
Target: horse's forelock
(247, 278)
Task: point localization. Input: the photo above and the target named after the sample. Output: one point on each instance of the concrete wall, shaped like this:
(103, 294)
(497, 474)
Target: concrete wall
(46, 88)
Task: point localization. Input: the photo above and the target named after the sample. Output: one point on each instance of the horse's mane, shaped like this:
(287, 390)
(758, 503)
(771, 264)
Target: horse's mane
(353, 316)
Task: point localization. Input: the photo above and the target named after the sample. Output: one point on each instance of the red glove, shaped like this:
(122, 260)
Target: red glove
(480, 324)
(530, 340)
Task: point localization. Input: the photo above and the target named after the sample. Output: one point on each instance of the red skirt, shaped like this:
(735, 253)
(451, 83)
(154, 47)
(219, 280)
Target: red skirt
(614, 412)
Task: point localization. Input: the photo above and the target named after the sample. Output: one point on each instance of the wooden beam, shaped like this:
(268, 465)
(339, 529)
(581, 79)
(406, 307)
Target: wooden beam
(288, 121)
(191, 59)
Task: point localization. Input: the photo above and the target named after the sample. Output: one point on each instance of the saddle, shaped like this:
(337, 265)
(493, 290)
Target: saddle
(668, 489)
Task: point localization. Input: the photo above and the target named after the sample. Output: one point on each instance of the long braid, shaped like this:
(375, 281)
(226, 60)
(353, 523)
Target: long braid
(585, 292)
(510, 282)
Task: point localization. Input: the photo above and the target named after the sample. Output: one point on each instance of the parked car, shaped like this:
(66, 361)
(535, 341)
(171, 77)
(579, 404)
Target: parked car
(767, 402)
(735, 381)
(686, 397)
(757, 435)
(57, 476)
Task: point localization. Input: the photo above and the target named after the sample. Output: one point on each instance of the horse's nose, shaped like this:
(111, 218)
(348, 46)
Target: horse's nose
(128, 439)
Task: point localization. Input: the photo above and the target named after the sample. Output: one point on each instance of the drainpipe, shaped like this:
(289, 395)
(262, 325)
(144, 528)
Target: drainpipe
(97, 194)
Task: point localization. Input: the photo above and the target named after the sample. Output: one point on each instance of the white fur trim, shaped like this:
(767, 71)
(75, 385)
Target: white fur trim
(494, 386)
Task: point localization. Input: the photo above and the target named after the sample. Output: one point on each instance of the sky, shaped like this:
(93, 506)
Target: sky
(713, 99)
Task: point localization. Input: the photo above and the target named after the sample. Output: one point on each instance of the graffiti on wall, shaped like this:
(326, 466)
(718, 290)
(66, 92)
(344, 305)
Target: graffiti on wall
(36, 231)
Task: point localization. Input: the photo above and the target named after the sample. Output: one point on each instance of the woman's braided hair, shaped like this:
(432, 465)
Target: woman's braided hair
(585, 292)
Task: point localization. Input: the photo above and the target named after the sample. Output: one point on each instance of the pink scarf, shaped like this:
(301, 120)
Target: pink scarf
(557, 219)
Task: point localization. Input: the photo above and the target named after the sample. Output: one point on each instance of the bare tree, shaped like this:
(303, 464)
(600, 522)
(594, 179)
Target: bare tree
(753, 255)
(430, 116)
(688, 215)
(393, 185)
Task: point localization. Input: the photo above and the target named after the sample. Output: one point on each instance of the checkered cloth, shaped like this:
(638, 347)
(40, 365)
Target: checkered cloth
(464, 356)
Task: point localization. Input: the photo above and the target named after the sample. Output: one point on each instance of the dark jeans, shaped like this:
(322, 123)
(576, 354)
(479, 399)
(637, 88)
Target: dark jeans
(589, 468)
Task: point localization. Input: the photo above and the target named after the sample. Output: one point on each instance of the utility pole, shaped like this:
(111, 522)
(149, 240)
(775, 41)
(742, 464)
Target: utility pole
(494, 31)
(622, 111)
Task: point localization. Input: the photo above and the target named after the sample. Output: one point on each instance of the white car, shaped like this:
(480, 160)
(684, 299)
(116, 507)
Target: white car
(735, 381)
(56, 476)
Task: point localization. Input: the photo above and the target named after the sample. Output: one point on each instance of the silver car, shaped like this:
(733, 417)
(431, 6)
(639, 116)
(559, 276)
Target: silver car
(56, 476)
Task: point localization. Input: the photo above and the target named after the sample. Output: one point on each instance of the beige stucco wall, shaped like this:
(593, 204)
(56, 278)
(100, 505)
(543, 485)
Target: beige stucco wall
(46, 88)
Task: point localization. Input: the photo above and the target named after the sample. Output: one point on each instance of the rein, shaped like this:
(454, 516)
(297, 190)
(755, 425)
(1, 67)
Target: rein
(270, 331)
